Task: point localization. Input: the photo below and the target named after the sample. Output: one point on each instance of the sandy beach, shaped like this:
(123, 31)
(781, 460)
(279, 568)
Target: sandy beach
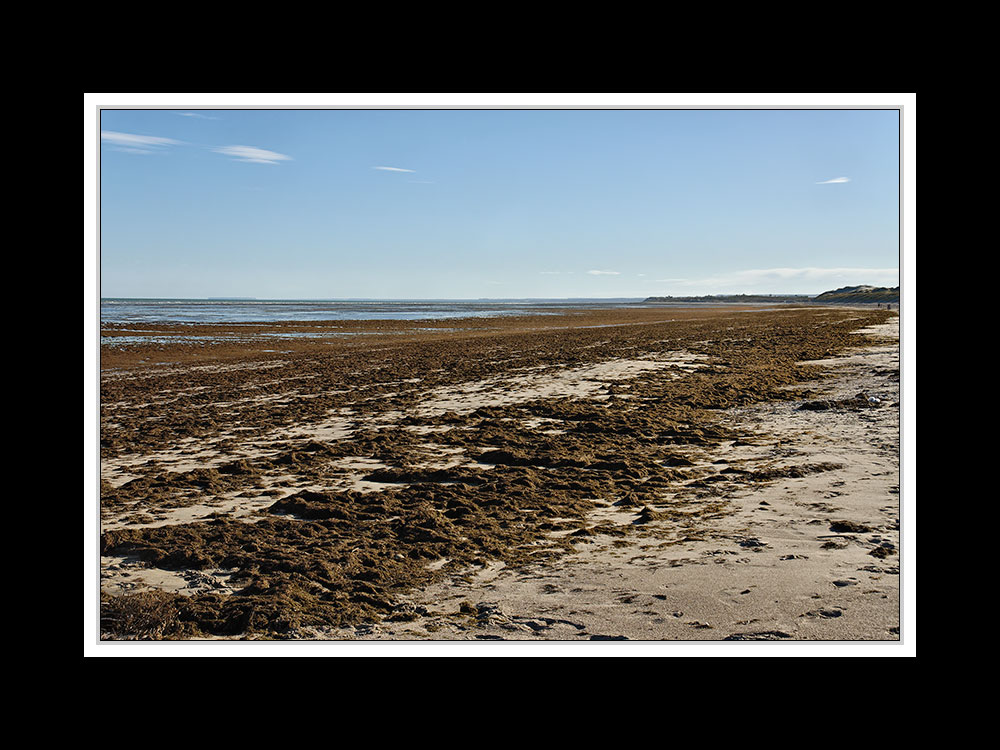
(649, 474)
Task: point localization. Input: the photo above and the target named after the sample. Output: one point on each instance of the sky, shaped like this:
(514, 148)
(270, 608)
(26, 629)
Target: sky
(496, 203)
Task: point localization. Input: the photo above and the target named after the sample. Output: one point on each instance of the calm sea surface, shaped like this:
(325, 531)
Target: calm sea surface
(119, 310)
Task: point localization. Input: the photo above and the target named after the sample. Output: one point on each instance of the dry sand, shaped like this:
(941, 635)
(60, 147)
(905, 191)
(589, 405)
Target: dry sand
(778, 522)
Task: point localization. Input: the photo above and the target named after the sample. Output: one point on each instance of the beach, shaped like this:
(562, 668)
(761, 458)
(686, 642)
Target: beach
(712, 473)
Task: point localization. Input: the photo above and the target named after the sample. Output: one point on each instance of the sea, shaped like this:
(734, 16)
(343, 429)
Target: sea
(226, 310)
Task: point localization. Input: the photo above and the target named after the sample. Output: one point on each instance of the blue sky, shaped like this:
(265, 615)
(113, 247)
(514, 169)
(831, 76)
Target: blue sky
(310, 204)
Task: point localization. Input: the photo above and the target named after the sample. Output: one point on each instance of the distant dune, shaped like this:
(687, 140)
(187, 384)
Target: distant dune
(860, 294)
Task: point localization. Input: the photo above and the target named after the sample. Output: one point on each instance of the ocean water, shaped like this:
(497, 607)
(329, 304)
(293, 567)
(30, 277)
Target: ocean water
(121, 310)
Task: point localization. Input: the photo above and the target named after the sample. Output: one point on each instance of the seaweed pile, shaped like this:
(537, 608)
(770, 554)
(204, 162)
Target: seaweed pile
(444, 493)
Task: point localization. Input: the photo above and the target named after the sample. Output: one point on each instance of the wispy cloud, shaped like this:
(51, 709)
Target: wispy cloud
(604, 273)
(394, 169)
(781, 280)
(137, 144)
(197, 115)
(252, 154)
(834, 180)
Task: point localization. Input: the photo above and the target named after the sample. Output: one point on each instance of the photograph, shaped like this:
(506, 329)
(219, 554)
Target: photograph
(499, 375)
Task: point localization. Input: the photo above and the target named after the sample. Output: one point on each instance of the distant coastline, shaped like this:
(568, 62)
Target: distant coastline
(734, 299)
(847, 294)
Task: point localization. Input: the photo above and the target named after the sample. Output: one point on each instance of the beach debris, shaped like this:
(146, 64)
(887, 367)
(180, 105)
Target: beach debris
(883, 551)
(857, 402)
(407, 612)
(849, 527)
(760, 635)
(631, 499)
(647, 514)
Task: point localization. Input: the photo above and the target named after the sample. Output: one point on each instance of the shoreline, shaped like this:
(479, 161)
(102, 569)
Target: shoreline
(527, 403)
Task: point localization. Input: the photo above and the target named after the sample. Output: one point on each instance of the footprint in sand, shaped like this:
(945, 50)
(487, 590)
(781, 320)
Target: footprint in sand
(826, 613)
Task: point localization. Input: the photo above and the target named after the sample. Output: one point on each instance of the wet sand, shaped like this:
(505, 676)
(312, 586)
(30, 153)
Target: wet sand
(710, 474)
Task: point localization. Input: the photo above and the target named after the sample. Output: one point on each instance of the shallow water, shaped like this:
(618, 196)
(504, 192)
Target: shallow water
(120, 310)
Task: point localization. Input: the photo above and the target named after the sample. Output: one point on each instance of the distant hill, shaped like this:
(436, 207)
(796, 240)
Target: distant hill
(860, 294)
